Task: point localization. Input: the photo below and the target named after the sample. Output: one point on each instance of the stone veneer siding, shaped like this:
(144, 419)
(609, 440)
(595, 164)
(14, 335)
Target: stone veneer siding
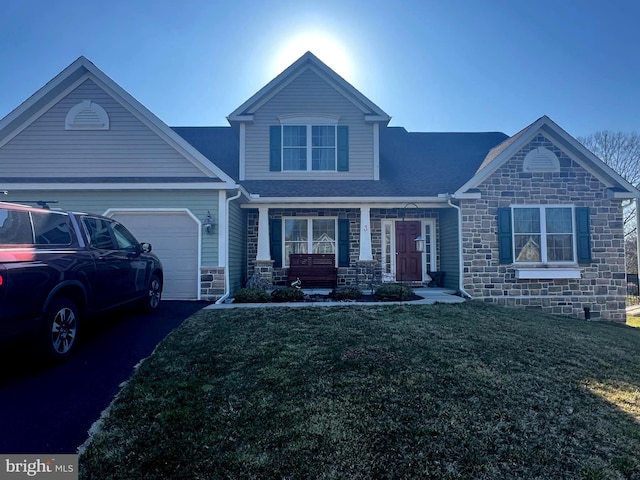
(212, 283)
(601, 287)
(363, 274)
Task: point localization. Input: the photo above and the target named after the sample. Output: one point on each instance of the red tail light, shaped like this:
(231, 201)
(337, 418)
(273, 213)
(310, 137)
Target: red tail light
(1, 280)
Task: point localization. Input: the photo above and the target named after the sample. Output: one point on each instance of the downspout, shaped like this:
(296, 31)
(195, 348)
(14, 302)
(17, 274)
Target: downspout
(227, 287)
(461, 257)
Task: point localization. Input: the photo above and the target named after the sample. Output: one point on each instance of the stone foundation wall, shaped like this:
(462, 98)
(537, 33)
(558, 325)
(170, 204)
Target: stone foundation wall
(602, 286)
(212, 283)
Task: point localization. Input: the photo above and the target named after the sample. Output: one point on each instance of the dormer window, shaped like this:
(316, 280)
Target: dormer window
(87, 115)
(309, 147)
(303, 143)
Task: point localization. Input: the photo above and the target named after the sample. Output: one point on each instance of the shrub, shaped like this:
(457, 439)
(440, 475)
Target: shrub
(287, 294)
(393, 292)
(347, 293)
(251, 295)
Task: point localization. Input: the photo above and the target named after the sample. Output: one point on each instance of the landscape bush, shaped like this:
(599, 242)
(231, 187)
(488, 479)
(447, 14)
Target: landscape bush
(287, 294)
(393, 292)
(347, 293)
(251, 295)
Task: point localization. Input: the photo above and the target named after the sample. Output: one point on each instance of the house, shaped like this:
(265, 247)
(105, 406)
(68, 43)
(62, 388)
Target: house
(310, 165)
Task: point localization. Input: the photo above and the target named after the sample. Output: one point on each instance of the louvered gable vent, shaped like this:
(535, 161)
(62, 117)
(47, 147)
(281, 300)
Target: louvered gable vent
(541, 160)
(87, 115)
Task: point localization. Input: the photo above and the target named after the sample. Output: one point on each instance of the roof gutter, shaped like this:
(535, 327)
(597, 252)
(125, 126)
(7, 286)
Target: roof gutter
(461, 258)
(227, 288)
(384, 202)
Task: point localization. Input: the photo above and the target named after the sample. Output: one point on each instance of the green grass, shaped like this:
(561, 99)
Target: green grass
(455, 391)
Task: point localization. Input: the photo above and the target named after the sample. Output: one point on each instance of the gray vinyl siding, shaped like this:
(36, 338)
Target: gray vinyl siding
(46, 98)
(128, 149)
(237, 247)
(196, 201)
(308, 94)
(449, 248)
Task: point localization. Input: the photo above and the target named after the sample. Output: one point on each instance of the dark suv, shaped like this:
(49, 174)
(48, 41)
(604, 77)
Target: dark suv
(59, 268)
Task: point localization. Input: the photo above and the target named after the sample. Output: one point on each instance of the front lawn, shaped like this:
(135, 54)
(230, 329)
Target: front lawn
(445, 391)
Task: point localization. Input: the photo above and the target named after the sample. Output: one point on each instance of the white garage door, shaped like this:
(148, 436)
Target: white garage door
(174, 239)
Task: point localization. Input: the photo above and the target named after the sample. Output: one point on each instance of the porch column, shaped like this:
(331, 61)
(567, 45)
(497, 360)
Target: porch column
(365, 234)
(264, 252)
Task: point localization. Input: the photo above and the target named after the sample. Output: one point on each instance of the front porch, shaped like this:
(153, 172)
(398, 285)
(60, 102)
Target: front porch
(371, 244)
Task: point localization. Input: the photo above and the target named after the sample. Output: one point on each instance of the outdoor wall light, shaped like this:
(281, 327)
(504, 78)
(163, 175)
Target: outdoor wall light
(420, 244)
(209, 224)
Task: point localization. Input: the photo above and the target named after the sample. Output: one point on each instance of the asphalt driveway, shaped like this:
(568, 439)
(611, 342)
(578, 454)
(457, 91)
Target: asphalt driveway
(49, 408)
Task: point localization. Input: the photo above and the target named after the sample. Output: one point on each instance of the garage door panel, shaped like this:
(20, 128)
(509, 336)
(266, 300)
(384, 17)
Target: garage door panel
(174, 239)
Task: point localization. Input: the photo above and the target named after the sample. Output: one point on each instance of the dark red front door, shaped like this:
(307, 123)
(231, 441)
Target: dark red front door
(408, 261)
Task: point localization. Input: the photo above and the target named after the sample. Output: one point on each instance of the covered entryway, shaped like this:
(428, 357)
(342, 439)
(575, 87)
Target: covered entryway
(174, 236)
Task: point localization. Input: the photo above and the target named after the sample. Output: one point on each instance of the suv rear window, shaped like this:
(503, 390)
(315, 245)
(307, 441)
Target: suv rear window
(51, 228)
(21, 227)
(15, 227)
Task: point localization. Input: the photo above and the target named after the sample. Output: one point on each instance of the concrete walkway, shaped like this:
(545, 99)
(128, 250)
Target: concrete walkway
(429, 296)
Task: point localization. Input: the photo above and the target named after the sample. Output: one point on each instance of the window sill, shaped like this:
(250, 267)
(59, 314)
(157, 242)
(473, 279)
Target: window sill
(532, 273)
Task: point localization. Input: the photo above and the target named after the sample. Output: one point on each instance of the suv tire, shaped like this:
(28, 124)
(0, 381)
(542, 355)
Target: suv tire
(59, 334)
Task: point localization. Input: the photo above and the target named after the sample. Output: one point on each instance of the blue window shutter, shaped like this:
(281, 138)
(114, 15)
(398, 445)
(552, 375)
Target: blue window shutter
(583, 231)
(343, 242)
(275, 148)
(505, 239)
(275, 232)
(343, 148)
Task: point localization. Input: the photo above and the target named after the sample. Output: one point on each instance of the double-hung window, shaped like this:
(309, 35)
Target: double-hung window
(309, 144)
(309, 235)
(309, 147)
(544, 234)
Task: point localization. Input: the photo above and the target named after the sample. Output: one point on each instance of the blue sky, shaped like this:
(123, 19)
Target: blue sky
(459, 65)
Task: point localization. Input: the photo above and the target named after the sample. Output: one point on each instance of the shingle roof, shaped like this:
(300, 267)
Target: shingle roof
(411, 164)
(219, 144)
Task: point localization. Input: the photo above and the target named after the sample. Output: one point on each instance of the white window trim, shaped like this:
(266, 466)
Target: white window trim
(433, 260)
(285, 259)
(543, 238)
(389, 277)
(547, 273)
(304, 119)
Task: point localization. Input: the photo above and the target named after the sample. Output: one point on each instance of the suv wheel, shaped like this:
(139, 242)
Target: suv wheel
(60, 328)
(154, 294)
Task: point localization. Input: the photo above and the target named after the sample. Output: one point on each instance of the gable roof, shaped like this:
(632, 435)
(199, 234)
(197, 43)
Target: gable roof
(618, 187)
(244, 113)
(75, 74)
(411, 165)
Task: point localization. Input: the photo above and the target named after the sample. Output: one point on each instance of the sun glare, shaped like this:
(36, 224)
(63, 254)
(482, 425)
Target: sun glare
(323, 45)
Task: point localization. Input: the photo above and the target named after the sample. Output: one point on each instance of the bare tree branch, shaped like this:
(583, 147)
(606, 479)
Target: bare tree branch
(621, 151)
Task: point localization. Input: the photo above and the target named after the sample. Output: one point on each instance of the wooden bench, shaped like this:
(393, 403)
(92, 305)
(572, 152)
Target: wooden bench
(315, 270)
